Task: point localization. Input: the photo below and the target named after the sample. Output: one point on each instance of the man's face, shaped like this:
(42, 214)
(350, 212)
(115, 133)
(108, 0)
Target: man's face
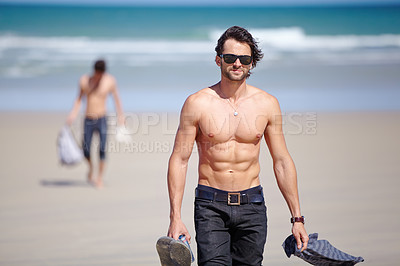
(235, 71)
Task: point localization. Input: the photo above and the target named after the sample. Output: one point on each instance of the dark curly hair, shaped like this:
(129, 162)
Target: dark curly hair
(241, 35)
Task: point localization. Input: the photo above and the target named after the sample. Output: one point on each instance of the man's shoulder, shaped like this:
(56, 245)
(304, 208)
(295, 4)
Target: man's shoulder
(262, 95)
(108, 75)
(84, 82)
(84, 78)
(201, 96)
(198, 101)
(109, 78)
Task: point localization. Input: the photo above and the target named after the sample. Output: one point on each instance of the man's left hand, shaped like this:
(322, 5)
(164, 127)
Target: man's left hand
(300, 234)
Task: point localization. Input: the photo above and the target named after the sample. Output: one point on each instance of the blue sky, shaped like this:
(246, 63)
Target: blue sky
(205, 2)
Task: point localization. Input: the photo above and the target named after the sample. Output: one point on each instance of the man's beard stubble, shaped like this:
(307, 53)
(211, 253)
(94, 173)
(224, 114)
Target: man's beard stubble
(232, 77)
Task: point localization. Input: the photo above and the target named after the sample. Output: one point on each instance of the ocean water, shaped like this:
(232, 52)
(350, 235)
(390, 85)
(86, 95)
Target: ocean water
(316, 58)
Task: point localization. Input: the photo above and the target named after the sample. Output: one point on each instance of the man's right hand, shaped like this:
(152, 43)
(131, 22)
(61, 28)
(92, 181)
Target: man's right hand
(178, 228)
(69, 121)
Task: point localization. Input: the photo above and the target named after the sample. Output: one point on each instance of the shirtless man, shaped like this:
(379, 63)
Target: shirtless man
(96, 88)
(228, 121)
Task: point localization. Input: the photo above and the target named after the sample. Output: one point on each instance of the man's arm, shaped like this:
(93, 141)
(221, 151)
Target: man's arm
(77, 105)
(177, 167)
(118, 105)
(285, 171)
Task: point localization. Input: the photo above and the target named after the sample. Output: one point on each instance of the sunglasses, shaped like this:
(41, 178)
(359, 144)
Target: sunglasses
(231, 58)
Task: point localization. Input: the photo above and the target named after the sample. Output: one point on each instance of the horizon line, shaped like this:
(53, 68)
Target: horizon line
(199, 4)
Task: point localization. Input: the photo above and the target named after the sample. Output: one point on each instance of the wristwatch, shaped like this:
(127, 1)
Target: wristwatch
(297, 220)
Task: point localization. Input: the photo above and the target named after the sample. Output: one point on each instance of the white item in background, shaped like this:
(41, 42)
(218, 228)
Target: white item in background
(122, 135)
(69, 152)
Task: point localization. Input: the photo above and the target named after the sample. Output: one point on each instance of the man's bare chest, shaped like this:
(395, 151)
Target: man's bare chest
(101, 92)
(243, 127)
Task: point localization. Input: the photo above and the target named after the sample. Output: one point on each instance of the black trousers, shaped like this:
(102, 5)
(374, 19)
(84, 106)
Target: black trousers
(229, 235)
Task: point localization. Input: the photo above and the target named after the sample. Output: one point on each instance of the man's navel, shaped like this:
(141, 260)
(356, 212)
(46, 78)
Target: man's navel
(211, 135)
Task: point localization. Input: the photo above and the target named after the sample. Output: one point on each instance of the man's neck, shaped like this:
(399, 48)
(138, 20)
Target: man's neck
(233, 89)
(97, 74)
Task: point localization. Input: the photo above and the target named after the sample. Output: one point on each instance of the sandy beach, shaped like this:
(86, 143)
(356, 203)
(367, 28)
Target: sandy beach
(348, 168)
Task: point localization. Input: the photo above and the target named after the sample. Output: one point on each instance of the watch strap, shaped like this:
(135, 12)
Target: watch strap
(297, 220)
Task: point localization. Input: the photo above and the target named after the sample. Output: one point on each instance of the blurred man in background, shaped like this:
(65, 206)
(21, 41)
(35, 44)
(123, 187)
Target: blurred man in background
(95, 88)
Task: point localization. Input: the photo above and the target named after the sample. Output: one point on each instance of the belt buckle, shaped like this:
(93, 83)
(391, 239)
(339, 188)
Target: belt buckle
(237, 194)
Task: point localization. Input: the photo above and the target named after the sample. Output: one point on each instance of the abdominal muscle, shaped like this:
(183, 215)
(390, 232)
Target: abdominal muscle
(229, 166)
(96, 106)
